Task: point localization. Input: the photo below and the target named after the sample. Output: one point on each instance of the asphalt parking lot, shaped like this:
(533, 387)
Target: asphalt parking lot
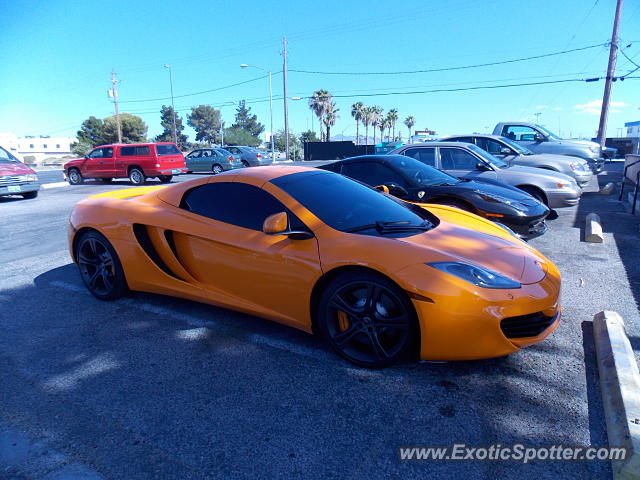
(156, 387)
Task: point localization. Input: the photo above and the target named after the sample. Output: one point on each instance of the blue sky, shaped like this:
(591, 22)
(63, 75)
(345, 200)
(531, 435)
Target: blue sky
(56, 58)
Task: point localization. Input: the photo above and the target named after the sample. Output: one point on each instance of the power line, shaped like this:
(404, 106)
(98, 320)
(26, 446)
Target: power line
(445, 69)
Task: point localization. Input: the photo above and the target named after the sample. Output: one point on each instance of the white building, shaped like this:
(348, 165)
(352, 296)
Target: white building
(38, 147)
(633, 129)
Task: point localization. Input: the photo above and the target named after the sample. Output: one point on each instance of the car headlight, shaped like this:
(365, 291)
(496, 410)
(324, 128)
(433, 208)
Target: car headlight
(32, 177)
(479, 276)
(491, 197)
(594, 149)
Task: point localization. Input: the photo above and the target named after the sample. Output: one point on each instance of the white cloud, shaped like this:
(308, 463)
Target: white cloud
(541, 107)
(556, 109)
(597, 104)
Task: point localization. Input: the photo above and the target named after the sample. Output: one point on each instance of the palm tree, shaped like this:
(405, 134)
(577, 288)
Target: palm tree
(329, 119)
(409, 122)
(356, 113)
(376, 114)
(382, 124)
(392, 118)
(319, 103)
(366, 121)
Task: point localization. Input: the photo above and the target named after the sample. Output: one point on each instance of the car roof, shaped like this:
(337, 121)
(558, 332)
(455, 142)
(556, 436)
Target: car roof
(483, 135)
(437, 144)
(133, 144)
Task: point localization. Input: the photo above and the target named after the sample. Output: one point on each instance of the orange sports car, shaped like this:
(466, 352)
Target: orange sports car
(380, 279)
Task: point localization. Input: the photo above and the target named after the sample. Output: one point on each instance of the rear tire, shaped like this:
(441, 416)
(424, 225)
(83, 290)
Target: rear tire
(368, 320)
(75, 177)
(136, 176)
(165, 178)
(100, 267)
(216, 169)
(30, 194)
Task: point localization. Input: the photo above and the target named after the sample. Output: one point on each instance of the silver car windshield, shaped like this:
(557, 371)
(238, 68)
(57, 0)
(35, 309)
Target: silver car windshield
(549, 134)
(488, 157)
(518, 148)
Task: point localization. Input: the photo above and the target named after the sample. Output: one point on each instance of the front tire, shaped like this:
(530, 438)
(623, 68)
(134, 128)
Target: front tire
(367, 320)
(100, 267)
(535, 193)
(216, 169)
(136, 176)
(75, 177)
(28, 195)
(165, 178)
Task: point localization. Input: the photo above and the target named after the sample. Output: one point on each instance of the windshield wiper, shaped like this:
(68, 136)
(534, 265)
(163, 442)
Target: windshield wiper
(392, 227)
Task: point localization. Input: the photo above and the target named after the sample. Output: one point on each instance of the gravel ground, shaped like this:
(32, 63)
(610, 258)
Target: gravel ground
(155, 387)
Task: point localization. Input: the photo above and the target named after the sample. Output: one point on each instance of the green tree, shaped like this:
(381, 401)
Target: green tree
(319, 103)
(133, 129)
(382, 124)
(80, 148)
(91, 132)
(410, 122)
(240, 136)
(356, 112)
(205, 120)
(245, 120)
(329, 118)
(376, 115)
(294, 143)
(392, 118)
(366, 121)
(308, 136)
(166, 121)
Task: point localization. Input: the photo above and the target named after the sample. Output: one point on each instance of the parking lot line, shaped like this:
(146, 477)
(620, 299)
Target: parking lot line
(47, 186)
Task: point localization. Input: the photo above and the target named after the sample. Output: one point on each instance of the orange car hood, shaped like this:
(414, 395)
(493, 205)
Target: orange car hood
(503, 256)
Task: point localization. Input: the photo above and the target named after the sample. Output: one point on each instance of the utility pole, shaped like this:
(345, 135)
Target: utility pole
(286, 108)
(114, 90)
(173, 108)
(611, 70)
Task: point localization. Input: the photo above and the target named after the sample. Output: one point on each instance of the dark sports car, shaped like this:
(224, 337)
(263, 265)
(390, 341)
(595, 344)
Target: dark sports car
(413, 181)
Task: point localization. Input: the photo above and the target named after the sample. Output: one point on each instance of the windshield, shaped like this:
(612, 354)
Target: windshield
(344, 204)
(422, 174)
(6, 157)
(548, 133)
(488, 157)
(516, 146)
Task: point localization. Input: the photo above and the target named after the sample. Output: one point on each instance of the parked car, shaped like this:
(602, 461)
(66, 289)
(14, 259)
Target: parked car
(413, 181)
(379, 279)
(249, 156)
(515, 154)
(16, 178)
(466, 160)
(137, 161)
(540, 140)
(215, 160)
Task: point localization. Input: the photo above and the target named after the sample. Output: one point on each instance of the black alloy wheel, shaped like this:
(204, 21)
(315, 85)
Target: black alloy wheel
(367, 320)
(100, 267)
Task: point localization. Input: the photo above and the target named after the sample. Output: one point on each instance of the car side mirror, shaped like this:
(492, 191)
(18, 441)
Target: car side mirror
(393, 189)
(505, 151)
(483, 167)
(278, 224)
(538, 137)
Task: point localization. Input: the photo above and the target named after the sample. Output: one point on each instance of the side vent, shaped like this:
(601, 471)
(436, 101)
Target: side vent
(142, 235)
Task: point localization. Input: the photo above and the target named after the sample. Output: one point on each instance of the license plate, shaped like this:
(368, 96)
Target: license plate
(13, 188)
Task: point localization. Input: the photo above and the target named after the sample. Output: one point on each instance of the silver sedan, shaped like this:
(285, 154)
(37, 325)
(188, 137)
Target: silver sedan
(515, 154)
(466, 160)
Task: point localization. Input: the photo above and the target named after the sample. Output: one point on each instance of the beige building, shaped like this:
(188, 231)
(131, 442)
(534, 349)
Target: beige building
(38, 147)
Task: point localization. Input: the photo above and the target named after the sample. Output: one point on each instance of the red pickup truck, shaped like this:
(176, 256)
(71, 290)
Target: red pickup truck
(137, 161)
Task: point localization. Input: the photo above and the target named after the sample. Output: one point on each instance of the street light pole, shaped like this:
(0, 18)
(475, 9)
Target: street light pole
(286, 106)
(173, 108)
(244, 65)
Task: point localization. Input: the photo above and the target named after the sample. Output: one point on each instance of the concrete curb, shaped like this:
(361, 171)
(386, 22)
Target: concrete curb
(620, 387)
(607, 189)
(593, 229)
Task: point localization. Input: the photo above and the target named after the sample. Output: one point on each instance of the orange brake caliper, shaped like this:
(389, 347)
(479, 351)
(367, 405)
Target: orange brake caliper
(343, 321)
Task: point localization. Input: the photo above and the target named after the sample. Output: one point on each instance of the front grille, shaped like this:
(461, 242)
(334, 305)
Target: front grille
(7, 180)
(530, 325)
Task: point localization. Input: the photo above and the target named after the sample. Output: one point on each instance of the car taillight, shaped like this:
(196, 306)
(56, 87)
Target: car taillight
(230, 159)
(259, 155)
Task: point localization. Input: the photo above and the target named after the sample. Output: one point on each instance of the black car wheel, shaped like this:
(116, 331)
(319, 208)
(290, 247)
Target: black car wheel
(100, 267)
(30, 194)
(216, 169)
(165, 178)
(245, 164)
(367, 320)
(75, 177)
(136, 176)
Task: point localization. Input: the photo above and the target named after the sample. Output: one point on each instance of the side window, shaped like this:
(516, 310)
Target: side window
(134, 151)
(195, 154)
(143, 150)
(519, 133)
(107, 152)
(425, 155)
(457, 159)
(461, 139)
(372, 173)
(97, 153)
(233, 150)
(231, 202)
(490, 145)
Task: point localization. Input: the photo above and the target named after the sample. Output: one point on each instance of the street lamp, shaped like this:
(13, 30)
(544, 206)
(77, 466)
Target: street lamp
(244, 65)
(175, 135)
